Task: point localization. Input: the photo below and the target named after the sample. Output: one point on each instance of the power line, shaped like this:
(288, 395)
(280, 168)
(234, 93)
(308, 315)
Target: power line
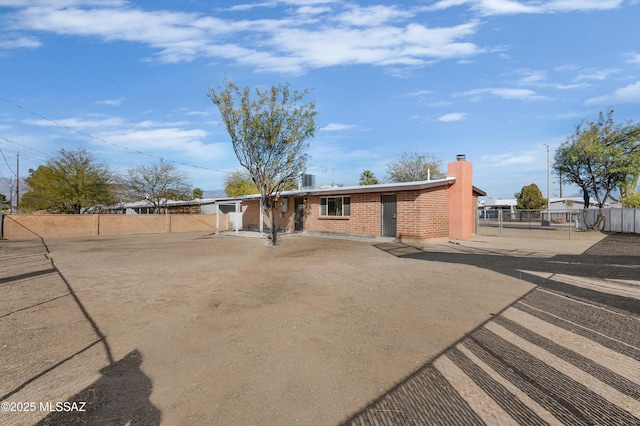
(5, 160)
(25, 146)
(71, 129)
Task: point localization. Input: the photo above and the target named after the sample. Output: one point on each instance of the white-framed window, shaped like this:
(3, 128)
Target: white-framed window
(335, 206)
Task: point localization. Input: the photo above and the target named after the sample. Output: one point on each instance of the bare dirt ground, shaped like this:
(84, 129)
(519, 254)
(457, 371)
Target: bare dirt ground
(182, 329)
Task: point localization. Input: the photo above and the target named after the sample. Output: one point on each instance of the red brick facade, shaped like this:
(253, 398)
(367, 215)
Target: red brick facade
(421, 215)
(423, 210)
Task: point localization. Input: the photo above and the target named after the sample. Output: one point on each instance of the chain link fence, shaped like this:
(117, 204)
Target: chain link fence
(495, 221)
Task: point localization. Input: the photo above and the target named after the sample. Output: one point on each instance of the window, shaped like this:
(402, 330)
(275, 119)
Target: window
(335, 206)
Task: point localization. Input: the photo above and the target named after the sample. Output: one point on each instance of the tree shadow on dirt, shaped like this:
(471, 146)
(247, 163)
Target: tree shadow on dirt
(119, 397)
(424, 396)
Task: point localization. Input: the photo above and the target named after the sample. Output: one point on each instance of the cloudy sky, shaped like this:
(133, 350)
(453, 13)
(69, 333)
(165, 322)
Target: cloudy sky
(493, 79)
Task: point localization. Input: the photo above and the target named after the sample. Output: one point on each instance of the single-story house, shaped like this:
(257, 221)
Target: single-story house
(411, 211)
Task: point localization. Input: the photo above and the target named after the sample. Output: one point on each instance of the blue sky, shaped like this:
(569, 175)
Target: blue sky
(493, 79)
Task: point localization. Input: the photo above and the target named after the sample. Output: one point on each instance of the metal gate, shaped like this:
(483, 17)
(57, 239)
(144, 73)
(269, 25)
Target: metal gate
(389, 215)
(298, 220)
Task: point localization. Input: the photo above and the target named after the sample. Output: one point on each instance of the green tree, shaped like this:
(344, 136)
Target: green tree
(368, 178)
(412, 167)
(630, 185)
(269, 133)
(156, 184)
(600, 157)
(239, 183)
(196, 194)
(530, 198)
(631, 200)
(71, 182)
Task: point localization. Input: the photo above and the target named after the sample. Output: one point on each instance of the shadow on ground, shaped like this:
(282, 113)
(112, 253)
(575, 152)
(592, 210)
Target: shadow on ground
(33, 285)
(119, 397)
(615, 257)
(496, 373)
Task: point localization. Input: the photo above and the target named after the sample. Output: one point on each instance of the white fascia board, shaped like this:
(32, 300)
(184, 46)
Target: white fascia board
(337, 190)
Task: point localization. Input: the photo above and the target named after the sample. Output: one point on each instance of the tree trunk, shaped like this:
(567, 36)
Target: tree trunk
(272, 236)
(598, 225)
(272, 225)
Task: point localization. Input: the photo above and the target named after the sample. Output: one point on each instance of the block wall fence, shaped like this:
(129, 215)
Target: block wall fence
(18, 227)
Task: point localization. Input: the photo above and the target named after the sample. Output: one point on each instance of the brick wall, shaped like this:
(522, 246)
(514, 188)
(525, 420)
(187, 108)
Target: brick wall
(421, 215)
(364, 219)
(251, 215)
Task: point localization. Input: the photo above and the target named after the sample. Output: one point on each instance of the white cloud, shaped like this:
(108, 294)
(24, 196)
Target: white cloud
(419, 93)
(516, 161)
(146, 124)
(111, 102)
(579, 5)
(627, 94)
(532, 76)
(376, 35)
(445, 4)
(539, 78)
(502, 7)
(335, 127)
(77, 123)
(19, 42)
(371, 16)
(454, 116)
(503, 92)
(633, 58)
(311, 10)
(596, 74)
(510, 7)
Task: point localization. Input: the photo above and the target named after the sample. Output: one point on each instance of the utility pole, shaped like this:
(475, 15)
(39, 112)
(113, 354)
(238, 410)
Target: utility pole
(18, 182)
(10, 196)
(548, 184)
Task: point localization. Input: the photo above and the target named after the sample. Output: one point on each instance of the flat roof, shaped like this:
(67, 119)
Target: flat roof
(381, 187)
(358, 189)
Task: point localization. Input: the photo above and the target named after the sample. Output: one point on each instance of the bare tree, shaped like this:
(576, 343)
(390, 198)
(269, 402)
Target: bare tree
(412, 167)
(269, 135)
(156, 184)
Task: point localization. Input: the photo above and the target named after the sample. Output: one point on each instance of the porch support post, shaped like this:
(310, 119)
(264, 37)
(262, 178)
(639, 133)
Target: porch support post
(217, 219)
(261, 218)
(238, 210)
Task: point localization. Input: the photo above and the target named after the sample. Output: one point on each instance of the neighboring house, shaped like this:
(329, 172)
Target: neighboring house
(216, 206)
(199, 206)
(411, 211)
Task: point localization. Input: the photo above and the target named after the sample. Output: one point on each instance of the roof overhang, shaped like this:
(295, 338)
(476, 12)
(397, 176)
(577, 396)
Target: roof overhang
(360, 189)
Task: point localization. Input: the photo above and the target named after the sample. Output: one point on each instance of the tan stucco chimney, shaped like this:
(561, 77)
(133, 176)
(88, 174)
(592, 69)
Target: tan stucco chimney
(461, 209)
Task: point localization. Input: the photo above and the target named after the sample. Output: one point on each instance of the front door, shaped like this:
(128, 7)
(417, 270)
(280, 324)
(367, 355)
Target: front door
(389, 215)
(298, 221)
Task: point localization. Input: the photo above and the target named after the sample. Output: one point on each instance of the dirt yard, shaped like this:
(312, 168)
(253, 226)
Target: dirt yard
(184, 329)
